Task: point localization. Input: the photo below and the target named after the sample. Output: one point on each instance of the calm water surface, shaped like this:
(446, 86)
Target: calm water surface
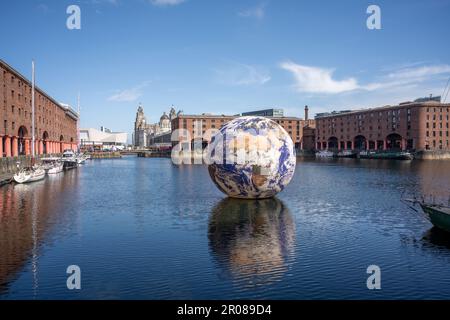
(145, 229)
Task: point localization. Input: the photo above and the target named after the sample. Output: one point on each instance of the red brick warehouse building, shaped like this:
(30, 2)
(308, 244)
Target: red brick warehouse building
(55, 124)
(420, 125)
(300, 130)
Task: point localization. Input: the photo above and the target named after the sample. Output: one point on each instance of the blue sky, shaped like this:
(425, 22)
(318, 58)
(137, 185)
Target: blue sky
(225, 56)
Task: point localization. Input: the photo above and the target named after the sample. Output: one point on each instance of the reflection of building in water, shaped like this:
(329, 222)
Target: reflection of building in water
(433, 180)
(252, 239)
(436, 239)
(27, 213)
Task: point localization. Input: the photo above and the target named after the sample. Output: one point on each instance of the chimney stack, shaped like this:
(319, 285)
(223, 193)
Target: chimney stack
(306, 113)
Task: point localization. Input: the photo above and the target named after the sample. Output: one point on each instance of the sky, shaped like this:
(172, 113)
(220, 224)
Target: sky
(227, 56)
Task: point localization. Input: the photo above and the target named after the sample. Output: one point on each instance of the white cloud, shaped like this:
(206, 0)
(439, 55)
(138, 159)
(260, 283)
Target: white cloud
(162, 3)
(128, 95)
(409, 77)
(420, 73)
(318, 80)
(43, 8)
(239, 74)
(257, 12)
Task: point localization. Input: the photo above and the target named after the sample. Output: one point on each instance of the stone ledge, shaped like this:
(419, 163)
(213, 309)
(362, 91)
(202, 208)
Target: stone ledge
(433, 155)
(9, 165)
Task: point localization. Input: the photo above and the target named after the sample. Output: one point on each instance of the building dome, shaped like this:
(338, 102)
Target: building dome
(164, 117)
(165, 122)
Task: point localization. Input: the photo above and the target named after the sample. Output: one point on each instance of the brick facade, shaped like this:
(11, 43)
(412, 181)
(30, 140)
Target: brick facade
(409, 126)
(55, 124)
(301, 131)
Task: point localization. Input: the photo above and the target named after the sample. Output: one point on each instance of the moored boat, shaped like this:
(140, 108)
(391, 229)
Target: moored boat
(69, 160)
(81, 158)
(346, 154)
(438, 215)
(389, 155)
(29, 175)
(23, 176)
(52, 165)
(57, 168)
(324, 154)
(38, 174)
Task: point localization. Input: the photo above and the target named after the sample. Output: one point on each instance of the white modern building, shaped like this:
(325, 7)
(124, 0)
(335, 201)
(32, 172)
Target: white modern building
(103, 139)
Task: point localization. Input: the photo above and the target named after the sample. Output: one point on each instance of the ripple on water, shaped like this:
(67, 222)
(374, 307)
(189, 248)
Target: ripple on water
(146, 229)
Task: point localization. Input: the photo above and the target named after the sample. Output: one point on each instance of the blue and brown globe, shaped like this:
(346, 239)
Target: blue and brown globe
(251, 158)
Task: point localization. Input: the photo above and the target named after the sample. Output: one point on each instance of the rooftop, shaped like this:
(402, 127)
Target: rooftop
(418, 102)
(212, 116)
(69, 111)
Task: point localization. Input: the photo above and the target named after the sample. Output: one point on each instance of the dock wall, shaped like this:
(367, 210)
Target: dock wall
(9, 165)
(105, 155)
(433, 155)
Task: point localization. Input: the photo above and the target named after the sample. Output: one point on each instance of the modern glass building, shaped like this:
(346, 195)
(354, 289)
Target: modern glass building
(276, 113)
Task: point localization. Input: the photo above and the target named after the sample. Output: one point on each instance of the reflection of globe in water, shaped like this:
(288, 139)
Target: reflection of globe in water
(252, 239)
(257, 158)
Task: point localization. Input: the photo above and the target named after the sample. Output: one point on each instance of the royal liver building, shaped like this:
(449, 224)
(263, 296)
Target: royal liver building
(145, 132)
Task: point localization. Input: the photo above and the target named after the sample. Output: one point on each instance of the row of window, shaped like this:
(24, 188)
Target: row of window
(213, 126)
(434, 125)
(440, 117)
(212, 120)
(360, 123)
(392, 127)
(39, 132)
(46, 103)
(434, 143)
(39, 97)
(441, 109)
(441, 133)
(39, 119)
(389, 113)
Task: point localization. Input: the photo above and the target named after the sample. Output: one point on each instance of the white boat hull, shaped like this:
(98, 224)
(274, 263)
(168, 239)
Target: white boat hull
(324, 154)
(31, 176)
(37, 175)
(56, 169)
(22, 177)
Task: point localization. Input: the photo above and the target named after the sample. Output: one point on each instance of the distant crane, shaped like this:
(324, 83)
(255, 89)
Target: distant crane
(446, 90)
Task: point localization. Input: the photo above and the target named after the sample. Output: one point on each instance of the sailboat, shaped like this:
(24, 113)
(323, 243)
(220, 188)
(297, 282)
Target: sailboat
(81, 158)
(34, 173)
(29, 175)
(53, 165)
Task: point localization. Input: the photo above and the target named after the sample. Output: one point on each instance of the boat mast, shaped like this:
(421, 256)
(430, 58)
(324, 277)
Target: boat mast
(78, 123)
(33, 144)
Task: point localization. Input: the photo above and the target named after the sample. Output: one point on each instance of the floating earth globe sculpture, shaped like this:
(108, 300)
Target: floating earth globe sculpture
(251, 158)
